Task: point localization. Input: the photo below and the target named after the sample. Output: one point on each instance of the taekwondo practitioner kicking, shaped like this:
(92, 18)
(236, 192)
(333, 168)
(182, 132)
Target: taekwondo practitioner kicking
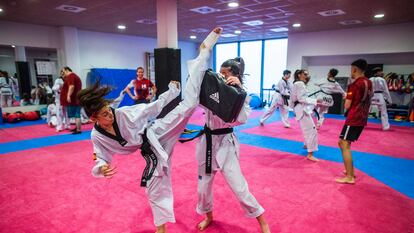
(218, 150)
(280, 99)
(327, 88)
(303, 106)
(381, 96)
(126, 129)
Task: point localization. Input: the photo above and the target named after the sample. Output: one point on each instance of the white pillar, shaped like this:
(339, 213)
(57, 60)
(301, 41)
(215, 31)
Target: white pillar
(69, 52)
(20, 53)
(167, 35)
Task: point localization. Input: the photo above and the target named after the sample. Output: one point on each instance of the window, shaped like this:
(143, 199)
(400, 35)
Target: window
(251, 52)
(225, 52)
(262, 70)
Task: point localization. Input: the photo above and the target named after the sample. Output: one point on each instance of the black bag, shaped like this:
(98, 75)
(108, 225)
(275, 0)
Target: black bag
(223, 100)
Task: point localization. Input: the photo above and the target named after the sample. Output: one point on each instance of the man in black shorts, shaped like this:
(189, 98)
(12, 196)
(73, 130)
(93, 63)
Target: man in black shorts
(357, 103)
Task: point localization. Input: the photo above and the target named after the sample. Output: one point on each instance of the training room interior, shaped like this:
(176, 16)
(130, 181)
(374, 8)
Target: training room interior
(46, 183)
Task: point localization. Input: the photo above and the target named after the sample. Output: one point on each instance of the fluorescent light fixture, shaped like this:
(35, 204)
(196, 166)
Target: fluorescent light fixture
(379, 16)
(253, 23)
(204, 10)
(69, 8)
(121, 27)
(237, 32)
(296, 25)
(13, 46)
(1, 9)
(228, 35)
(350, 22)
(281, 29)
(146, 21)
(233, 4)
(193, 37)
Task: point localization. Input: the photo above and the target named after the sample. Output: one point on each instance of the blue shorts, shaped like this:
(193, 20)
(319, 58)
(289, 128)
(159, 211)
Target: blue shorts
(73, 111)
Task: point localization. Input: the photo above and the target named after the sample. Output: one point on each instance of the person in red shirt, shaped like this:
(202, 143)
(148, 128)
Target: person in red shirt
(357, 103)
(68, 96)
(141, 87)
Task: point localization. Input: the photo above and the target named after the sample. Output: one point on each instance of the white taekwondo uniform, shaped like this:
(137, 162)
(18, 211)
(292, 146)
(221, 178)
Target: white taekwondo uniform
(380, 99)
(326, 89)
(225, 158)
(303, 107)
(162, 134)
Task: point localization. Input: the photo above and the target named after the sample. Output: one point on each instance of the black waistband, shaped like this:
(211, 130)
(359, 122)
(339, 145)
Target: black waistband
(150, 159)
(378, 91)
(208, 132)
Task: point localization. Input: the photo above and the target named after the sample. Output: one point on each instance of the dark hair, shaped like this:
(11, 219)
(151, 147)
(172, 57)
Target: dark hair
(376, 70)
(67, 68)
(361, 64)
(236, 66)
(297, 73)
(285, 72)
(92, 98)
(140, 68)
(333, 72)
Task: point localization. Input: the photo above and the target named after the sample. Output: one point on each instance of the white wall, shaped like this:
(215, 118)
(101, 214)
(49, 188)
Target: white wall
(7, 60)
(394, 38)
(29, 35)
(96, 50)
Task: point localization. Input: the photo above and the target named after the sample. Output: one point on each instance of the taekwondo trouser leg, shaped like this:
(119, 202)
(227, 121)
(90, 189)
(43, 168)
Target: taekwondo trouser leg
(168, 129)
(384, 116)
(59, 116)
(233, 176)
(284, 114)
(322, 110)
(309, 132)
(271, 109)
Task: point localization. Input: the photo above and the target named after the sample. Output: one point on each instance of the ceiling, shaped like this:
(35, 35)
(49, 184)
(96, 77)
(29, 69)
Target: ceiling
(105, 15)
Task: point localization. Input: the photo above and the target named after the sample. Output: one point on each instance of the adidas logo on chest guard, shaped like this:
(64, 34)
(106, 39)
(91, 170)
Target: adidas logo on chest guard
(215, 97)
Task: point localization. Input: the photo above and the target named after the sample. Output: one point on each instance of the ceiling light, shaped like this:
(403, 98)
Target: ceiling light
(13, 46)
(350, 22)
(69, 8)
(204, 10)
(233, 4)
(228, 35)
(379, 16)
(253, 23)
(331, 13)
(237, 32)
(281, 29)
(1, 9)
(193, 37)
(296, 25)
(121, 27)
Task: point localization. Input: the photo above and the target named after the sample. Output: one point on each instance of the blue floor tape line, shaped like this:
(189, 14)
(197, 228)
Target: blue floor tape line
(42, 142)
(22, 123)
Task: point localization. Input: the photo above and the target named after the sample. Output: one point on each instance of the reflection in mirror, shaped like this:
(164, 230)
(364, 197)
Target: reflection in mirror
(26, 81)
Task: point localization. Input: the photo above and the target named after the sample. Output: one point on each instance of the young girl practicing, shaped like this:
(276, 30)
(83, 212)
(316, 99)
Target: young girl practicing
(125, 130)
(303, 107)
(225, 156)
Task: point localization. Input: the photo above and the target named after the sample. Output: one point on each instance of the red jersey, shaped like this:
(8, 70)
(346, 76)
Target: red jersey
(141, 88)
(70, 79)
(360, 92)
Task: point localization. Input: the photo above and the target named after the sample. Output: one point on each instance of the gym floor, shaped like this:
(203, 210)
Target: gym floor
(46, 183)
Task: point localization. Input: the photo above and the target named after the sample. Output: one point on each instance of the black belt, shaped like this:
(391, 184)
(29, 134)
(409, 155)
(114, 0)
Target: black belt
(378, 92)
(209, 140)
(150, 159)
(286, 99)
(318, 92)
(314, 110)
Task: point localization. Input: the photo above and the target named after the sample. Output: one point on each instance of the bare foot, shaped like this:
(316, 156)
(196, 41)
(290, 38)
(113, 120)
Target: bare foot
(261, 124)
(345, 180)
(161, 229)
(206, 222)
(312, 158)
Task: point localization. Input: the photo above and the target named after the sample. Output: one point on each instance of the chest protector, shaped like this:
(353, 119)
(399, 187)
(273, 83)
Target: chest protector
(223, 100)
